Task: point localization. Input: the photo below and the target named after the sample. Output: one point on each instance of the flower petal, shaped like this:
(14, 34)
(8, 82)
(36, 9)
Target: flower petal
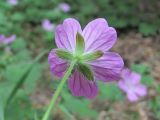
(80, 86)
(122, 85)
(135, 78)
(99, 36)
(132, 96)
(141, 90)
(57, 65)
(130, 76)
(108, 67)
(65, 35)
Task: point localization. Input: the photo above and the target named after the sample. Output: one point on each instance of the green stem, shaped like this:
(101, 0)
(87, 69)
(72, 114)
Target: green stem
(57, 92)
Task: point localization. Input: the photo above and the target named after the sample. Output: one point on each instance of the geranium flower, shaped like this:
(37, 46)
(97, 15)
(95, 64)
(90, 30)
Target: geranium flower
(64, 7)
(12, 2)
(90, 49)
(7, 40)
(47, 25)
(130, 84)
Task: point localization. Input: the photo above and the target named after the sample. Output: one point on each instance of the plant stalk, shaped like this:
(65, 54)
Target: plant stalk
(58, 90)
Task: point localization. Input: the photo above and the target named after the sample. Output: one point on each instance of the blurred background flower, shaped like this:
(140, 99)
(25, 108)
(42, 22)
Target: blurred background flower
(47, 25)
(64, 7)
(7, 40)
(12, 2)
(131, 85)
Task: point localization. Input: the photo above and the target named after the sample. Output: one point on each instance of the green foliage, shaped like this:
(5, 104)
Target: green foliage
(154, 104)
(148, 80)
(140, 68)
(144, 70)
(107, 92)
(135, 14)
(147, 29)
(22, 108)
(78, 106)
(121, 14)
(15, 76)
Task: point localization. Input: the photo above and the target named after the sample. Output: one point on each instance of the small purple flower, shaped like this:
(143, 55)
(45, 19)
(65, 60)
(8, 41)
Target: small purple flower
(47, 25)
(64, 7)
(7, 40)
(2, 37)
(12, 2)
(90, 49)
(131, 85)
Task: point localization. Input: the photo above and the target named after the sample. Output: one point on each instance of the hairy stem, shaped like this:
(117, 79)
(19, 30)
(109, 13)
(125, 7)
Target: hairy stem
(59, 89)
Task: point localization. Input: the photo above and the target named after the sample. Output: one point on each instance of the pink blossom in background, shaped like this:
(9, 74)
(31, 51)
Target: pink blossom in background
(98, 37)
(47, 25)
(12, 2)
(131, 85)
(2, 37)
(7, 40)
(64, 7)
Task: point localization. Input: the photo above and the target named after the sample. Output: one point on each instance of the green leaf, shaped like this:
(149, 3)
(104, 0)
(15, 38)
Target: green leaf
(92, 56)
(80, 44)
(107, 91)
(78, 106)
(68, 114)
(64, 54)
(18, 17)
(154, 105)
(147, 29)
(1, 111)
(86, 71)
(33, 76)
(20, 108)
(18, 79)
(147, 80)
(140, 68)
(19, 44)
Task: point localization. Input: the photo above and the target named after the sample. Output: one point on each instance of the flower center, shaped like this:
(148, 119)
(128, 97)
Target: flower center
(81, 57)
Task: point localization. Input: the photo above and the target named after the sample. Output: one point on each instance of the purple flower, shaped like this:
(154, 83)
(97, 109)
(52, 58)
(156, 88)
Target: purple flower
(90, 48)
(12, 2)
(64, 7)
(47, 25)
(2, 37)
(131, 85)
(7, 40)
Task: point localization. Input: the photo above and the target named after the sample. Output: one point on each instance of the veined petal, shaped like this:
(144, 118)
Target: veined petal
(65, 35)
(99, 36)
(57, 65)
(108, 67)
(80, 86)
